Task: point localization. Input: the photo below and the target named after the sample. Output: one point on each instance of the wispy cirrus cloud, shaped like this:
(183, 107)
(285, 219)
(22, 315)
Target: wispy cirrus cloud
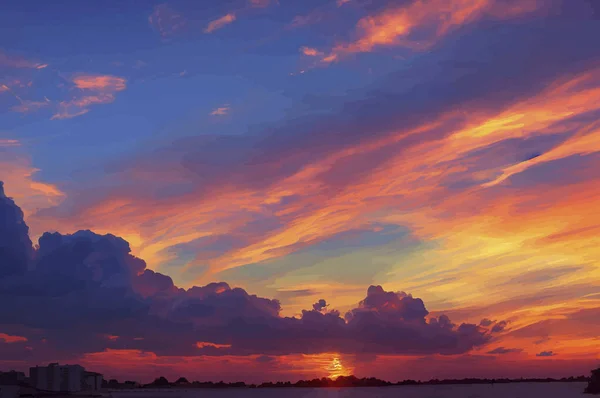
(28, 106)
(8, 142)
(18, 62)
(395, 26)
(220, 23)
(221, 111)
(22, 184)
(88, 90)
(94, 90)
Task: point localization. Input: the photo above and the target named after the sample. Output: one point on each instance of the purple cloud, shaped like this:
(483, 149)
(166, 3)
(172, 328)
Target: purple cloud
(545, 354)
(15, 245)
(502, 351)
(84, 287)
(320, 305)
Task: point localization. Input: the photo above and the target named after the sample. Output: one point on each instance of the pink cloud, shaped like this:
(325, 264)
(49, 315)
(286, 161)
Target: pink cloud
(395, 26)
(27, 106)
(18, 62)
(100, 83)
(12, 339)
(220, 22)
(310, 52)
(98, 89)
(221, 111)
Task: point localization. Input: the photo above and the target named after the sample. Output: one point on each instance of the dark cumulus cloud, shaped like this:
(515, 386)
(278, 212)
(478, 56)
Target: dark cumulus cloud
(546, 354)
(320, 305)
(502, 351)
(15, 246)
(85, 292)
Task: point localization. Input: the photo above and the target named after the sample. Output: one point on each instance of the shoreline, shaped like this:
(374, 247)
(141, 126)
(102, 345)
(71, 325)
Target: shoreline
(275, 386)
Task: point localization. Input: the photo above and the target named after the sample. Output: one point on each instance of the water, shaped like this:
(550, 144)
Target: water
(517, 390)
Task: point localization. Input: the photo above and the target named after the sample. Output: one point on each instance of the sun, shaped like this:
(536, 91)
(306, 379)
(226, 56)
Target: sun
(337, 369)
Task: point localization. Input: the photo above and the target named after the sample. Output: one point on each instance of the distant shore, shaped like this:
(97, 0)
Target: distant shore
(161, 385)
(340, 382)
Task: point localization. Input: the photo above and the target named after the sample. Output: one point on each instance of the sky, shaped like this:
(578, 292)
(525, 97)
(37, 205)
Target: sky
(276, 189)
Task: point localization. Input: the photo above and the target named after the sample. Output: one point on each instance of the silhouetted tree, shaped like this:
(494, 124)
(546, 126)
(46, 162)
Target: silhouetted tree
(160, 382)
(593, 386)
(182, 380)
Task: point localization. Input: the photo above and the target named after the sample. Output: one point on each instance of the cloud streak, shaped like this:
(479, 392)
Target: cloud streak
(221, 111)
(18, 62)
(95, 89)
(220, 23)
(397, 26)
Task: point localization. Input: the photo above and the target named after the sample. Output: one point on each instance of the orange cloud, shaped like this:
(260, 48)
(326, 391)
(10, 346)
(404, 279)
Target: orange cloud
(582, 144)
(221, 111)
(220, 22)
(394, 26)
(12, 339)
(100, 82)
(18, 176)
(310, 52)
(102, 89)
(203, 344)
(146, 365)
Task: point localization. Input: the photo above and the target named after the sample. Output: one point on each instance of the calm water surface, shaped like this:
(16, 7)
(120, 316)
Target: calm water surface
(521, 390)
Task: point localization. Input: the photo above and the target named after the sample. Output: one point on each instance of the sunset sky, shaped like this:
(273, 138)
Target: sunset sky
(301, 188)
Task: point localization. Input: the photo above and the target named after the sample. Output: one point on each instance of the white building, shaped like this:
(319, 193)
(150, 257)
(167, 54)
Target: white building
(67, 378)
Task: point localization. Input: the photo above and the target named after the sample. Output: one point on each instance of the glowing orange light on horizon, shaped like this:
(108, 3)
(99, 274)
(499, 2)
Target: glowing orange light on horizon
(204, 344)
(337, 369)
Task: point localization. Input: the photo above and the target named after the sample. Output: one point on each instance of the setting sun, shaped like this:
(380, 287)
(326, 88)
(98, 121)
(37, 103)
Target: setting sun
(337, 369)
